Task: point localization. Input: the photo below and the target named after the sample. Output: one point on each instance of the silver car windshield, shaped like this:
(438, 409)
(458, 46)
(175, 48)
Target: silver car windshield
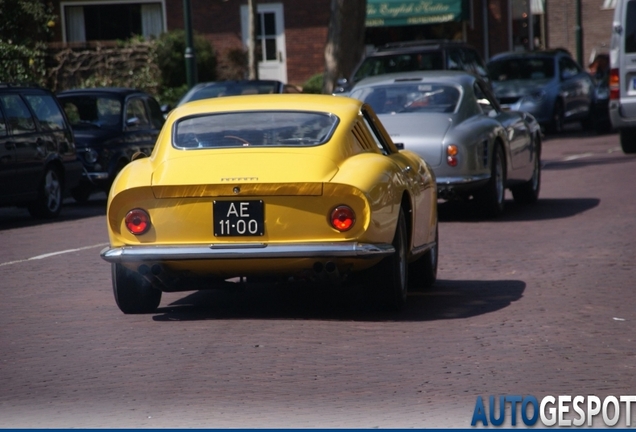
(521, 69)
(256, 128)
(401, 98)
(380, 65)
(229, 88)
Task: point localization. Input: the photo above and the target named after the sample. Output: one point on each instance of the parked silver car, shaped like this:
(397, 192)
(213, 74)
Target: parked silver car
(453, 121)
(234, 88)
(550, 85)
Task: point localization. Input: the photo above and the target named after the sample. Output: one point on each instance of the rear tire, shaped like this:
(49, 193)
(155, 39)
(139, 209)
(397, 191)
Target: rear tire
(557, 117)
(133, 293)
(528, 192)
(628, 140)
(49, 201)
(82, 193)
(423, 272)
(491, 197)
(393, 270)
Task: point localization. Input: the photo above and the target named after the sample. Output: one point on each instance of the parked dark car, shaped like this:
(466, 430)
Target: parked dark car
(415, 56)
(110, 126)
(38, 161)
(549, 84)
(235, 88)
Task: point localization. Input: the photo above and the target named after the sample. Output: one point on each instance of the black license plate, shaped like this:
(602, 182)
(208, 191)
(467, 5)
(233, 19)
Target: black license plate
(238, 218)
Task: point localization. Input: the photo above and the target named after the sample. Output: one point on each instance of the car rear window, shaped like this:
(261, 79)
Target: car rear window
(379, 65)
(521, 69)
(254, 128)
(416, 97)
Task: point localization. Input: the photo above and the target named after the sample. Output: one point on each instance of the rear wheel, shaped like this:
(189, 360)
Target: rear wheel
(528, 192)
(628, 140)
(491, 197)
(49, 200)
(393, 271)
(81, 193)
(557, 117)
(133, 293)
(423, 272)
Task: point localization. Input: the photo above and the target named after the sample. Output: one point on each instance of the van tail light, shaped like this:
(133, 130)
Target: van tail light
(342, 218)
(614, 84)
(137, 221)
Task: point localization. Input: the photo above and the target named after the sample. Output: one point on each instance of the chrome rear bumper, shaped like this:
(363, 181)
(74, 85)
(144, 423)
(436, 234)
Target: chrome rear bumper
(245, 251)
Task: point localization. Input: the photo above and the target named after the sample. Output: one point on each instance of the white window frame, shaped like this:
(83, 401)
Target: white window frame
(65, 4)
(609, 4)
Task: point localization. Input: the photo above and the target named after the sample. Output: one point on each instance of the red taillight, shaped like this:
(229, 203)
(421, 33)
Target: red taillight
(342, 218)
(137, 221)
(614, 84)
(451, 155)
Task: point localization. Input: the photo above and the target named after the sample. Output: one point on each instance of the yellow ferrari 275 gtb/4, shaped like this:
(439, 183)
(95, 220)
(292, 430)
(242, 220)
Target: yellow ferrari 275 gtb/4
(290, 186)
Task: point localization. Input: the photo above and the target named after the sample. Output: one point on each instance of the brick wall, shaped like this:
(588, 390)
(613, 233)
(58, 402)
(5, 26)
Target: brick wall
(305, 30)
(596, 25)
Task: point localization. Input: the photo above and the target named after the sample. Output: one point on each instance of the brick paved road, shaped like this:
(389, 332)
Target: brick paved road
(538, 302)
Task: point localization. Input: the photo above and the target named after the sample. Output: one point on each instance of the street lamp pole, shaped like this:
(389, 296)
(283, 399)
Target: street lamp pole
(190, 59)
(578, 33)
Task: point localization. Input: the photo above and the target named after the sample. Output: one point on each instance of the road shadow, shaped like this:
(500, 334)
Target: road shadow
(19, 217)
(543, 209)
(447, 299)
(586, 160)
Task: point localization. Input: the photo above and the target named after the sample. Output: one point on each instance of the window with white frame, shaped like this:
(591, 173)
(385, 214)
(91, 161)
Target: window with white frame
(609, 4)
(92, 21)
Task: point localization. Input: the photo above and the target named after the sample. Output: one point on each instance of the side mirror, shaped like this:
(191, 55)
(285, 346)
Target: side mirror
(400, 146)
(165, 109)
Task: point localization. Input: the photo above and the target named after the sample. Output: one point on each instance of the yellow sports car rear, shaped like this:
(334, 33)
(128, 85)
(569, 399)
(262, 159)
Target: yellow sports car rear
(293, 186)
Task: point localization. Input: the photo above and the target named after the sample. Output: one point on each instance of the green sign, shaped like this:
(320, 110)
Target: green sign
(382, 13)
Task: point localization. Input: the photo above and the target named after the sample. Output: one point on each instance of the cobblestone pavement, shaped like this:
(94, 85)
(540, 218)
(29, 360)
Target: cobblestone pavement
(539, 302)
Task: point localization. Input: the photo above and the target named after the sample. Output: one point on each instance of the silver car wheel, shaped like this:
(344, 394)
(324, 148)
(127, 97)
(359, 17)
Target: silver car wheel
(52, 191)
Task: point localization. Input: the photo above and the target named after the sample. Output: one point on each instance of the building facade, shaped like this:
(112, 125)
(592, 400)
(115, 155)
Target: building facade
(292, 34)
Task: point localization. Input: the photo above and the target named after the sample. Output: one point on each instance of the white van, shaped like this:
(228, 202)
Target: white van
(623, 74)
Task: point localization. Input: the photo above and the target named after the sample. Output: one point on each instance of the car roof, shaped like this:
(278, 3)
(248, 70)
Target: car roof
(340, 106)
(440, 76)
(13, 86)
(417, 46)
(121, 91)
(212, 83)
(530, 54)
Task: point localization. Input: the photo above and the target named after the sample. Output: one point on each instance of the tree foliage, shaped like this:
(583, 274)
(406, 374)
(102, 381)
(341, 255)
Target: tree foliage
(170, 51)
(24, 29)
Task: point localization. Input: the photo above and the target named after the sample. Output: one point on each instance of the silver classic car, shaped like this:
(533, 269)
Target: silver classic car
(453, 121)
